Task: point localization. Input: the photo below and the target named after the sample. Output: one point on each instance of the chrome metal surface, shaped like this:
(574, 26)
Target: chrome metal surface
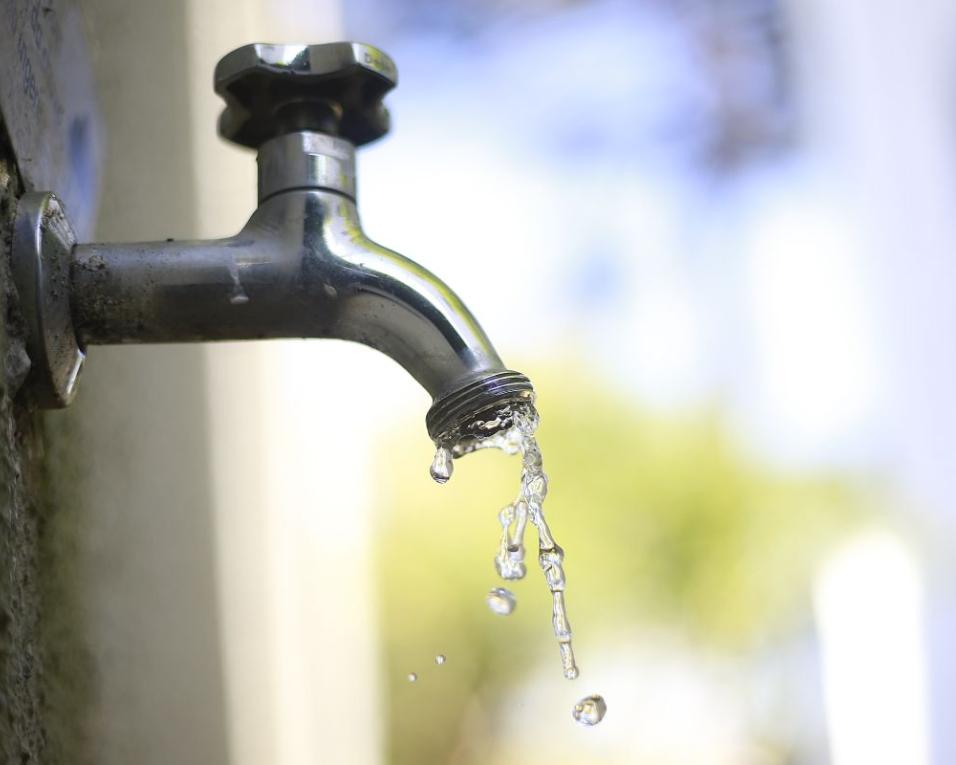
(335, 88)
(306, 160)
(42, 242)
(301, 266)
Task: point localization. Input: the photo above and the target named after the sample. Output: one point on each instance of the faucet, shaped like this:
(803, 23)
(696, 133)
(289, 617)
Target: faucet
(300, 267)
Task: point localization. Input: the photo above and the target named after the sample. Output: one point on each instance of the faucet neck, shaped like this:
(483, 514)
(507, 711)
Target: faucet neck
(306, 160)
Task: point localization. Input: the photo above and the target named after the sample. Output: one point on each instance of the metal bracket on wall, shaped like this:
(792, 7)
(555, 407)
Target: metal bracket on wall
(43, 242)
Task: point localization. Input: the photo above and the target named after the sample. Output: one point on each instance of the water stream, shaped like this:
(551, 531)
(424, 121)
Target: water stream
(517, 437)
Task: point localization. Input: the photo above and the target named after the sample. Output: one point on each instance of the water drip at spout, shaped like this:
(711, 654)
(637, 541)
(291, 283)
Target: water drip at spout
(442, 466)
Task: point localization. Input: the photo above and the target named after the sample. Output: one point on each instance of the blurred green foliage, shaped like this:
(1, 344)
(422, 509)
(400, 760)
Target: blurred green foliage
(664, 521)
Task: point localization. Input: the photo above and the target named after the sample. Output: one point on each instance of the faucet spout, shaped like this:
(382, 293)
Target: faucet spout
(301, 267)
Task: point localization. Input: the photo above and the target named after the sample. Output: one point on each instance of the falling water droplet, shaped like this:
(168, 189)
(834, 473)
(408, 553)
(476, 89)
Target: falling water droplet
(412, 677)
(590, 710)
(501, 601)
(442, 467)
(440, 659)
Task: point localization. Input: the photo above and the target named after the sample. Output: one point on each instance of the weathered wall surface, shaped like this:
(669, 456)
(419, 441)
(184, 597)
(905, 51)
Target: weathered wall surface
(129, 536)
(21, 663)
(47, 140)
(109, 636)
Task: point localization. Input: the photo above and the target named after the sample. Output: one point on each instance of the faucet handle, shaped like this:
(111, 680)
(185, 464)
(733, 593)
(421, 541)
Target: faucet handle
(335, 88)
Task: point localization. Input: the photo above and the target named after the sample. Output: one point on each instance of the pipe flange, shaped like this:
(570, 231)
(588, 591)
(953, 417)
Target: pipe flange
(43, 241)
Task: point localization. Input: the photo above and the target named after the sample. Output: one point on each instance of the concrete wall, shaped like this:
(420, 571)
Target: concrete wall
(130, 519)
(109, 646)
(21, 660)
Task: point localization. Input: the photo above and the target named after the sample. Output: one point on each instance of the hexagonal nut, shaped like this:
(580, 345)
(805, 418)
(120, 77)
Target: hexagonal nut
(273, 89)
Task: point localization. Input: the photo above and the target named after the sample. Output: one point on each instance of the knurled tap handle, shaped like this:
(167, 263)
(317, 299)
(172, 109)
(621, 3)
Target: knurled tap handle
(335, 88)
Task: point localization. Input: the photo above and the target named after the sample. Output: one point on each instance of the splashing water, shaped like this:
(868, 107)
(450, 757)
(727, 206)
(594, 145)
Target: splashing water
(511, 428)
(501, 601)
(590, 710)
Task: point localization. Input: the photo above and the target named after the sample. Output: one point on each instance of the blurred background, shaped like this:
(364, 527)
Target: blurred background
(717, 236)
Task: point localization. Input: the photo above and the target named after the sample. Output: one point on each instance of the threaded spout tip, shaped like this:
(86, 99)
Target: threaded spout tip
(464, 414)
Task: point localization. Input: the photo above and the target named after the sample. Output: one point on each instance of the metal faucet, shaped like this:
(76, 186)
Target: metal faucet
(301, 266)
